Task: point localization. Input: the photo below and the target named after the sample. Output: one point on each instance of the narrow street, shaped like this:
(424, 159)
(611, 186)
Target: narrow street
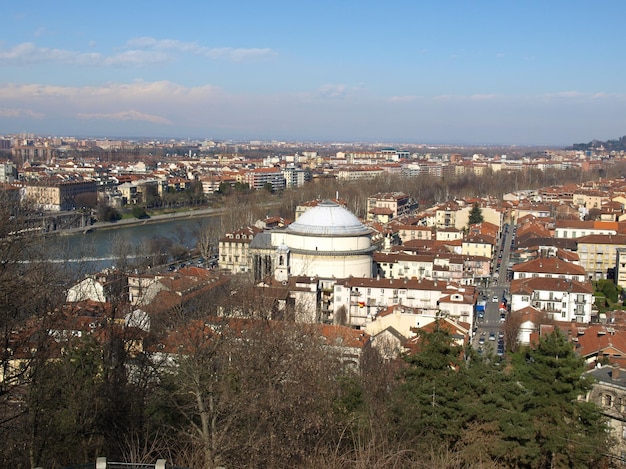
(490, 326)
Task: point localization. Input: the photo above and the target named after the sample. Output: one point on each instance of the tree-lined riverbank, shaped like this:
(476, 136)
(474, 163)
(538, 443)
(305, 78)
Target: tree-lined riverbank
(198, 213)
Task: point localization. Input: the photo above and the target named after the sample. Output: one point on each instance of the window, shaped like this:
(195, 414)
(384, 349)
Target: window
(607, 400)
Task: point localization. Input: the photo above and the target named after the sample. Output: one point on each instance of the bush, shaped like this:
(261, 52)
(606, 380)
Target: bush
(139, 212)
(108, 213)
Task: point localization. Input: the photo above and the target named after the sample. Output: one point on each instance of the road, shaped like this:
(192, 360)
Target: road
(498, 289)
(202, 212)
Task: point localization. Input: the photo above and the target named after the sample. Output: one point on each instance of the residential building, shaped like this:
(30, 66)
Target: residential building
(356, 173)
(410, 232)
(387, 206)
(561, 299)
(8, 172)
(234, 249)
(260, 177)
(598, 254)
(549, 267)
(579, 228)
(620, 267)
(57, 196)
(356, 301)
(609, 393)
(478, 245)
(449, 234)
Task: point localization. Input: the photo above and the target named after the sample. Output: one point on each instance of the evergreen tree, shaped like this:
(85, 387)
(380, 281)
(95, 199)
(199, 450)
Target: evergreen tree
(475, 215)
(568, 432)
(429, 405)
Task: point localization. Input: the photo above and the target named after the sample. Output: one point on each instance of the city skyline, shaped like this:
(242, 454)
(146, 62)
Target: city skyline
(439, 72)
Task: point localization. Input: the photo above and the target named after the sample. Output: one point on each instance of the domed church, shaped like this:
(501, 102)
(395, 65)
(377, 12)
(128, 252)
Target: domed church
(327, 242)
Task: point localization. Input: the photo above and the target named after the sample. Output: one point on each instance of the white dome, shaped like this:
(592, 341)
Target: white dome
(328, 219)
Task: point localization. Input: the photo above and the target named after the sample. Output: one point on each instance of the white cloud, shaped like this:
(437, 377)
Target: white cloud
(15, 113)
(333, 91)
(482, 97)
(402, 99)
(27, 53)
(168, 108)
(136, 58)
(174, 45)
(139, 52)
(128, 116)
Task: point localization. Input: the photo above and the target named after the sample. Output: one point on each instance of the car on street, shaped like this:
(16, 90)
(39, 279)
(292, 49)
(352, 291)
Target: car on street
(502, 317)
(492, 336)
(481, 341)
(495, 298)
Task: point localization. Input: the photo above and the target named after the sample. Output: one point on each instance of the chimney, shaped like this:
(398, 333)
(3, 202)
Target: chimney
(615, 373)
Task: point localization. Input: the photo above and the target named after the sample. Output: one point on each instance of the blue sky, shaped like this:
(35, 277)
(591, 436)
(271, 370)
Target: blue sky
(465, 72)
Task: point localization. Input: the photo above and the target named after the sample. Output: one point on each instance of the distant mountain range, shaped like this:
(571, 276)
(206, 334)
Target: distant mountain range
(609, 145)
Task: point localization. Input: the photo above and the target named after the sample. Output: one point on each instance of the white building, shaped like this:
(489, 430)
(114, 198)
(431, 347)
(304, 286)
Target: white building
(357, 301)
(327, 241)
(562, 299)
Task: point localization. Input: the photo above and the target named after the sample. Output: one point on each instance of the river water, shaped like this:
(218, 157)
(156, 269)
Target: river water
(103, 248)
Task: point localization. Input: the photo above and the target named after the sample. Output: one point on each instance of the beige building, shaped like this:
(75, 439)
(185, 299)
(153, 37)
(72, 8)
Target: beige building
(57, 196)
(609, 393)
(620, 267)
(449, 234)
(598, 253)
(445, 215)
(411, 232)
(490, 215)
(234, 249)
(589, 199)
(478, 245)
(389, 205)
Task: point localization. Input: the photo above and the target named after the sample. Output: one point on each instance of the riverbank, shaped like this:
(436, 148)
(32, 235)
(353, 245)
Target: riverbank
(197, 213)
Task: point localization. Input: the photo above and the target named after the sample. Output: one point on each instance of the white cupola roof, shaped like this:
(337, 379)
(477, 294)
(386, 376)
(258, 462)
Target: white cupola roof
(328, 219)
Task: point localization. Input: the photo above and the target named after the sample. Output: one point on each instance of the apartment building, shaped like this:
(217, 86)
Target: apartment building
(234, 249)
(57, 196)
(549, 267)
(578, 228)
(561, 299)
(598, 254)
(392, 204)
(357, 301)
(259, 177)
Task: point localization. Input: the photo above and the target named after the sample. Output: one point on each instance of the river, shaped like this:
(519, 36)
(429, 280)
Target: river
(102, 248)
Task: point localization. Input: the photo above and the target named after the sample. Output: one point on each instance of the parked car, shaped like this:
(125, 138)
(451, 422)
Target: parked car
(492, 336)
